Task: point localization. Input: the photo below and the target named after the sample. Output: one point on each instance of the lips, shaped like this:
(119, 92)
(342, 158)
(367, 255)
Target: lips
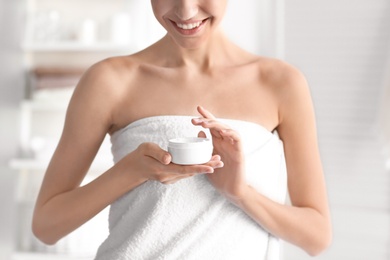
(189, 28)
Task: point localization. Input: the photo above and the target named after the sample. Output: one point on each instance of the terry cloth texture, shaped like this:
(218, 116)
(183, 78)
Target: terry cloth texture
(190, 219)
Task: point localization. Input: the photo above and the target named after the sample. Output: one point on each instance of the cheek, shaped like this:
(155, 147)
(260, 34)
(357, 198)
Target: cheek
(160, 9)
(162, 6)
(216, 8)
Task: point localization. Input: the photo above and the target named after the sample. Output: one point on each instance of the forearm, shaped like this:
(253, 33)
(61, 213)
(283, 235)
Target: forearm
(302, 226)
(67, 211)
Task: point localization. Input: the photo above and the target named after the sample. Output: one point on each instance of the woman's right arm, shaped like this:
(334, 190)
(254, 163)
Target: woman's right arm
(62, 204)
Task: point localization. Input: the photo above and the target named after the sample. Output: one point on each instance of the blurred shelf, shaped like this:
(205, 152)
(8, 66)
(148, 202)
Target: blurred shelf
(30, 164)
(46, 105)
(46, 256)
(41, 165)
(76, 47)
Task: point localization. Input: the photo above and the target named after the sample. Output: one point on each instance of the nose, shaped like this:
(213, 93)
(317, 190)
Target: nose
(186, 9)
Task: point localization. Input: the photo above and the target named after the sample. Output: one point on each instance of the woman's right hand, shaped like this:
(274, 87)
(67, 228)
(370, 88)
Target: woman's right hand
(150, 162)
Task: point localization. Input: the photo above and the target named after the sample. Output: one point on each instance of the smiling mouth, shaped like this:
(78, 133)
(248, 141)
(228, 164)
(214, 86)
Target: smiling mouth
(189, 27)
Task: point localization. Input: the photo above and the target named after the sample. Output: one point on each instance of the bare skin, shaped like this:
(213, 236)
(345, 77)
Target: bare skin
(215, 79)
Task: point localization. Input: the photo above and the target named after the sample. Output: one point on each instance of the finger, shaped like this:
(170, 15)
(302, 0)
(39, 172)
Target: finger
(189, 170)
(175, 178)
(169, 182)
(215, 157)
(202, 134)
(156, 152)
(214, 125)
(231, 134)
(216, 163)
(205, 113)
(209, 123)
(224, 131)
(182, 172)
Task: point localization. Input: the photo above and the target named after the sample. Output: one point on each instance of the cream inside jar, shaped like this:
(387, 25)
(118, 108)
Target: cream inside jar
(190, 150)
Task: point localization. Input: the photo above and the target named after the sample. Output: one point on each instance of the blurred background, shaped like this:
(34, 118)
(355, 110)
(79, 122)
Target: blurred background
(342, 46)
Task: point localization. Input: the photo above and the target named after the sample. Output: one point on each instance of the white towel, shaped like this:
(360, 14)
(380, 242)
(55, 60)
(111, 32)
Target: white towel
(190, 219)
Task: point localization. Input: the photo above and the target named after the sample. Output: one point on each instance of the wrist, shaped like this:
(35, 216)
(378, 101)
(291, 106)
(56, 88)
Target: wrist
(126, 178)
(241, 195)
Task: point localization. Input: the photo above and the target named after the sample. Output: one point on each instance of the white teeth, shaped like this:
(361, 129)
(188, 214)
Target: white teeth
(188, 26)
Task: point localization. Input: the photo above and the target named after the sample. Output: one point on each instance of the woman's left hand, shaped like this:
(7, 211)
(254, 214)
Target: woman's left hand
(230, 179)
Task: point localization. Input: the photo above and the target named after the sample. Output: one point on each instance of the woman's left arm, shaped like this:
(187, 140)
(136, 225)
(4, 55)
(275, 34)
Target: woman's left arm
(306, 223)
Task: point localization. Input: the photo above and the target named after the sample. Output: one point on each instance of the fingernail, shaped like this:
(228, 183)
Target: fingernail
(211, 170)
(217, 157)
(166, 158)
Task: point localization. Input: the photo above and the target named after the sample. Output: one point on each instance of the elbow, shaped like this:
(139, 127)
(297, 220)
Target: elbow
(42, 233)
(320, 244)
(319, 248)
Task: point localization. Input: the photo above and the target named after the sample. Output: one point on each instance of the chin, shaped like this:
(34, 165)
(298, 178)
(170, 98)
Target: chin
(191, 43)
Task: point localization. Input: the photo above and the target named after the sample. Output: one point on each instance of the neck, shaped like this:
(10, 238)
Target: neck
(216, 51)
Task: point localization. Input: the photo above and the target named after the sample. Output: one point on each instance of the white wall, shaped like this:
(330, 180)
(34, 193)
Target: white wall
(11, 91)
(255, 27)
(342, 46)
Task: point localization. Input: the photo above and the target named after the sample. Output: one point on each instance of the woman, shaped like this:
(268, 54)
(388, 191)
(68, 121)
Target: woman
(232, 207)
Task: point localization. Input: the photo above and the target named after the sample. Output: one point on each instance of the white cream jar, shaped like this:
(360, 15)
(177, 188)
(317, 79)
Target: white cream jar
(190, 150)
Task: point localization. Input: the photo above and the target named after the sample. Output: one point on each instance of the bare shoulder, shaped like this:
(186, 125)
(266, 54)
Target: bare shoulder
(287, 83)
(281, 76)
(100, 89)
(108, 76)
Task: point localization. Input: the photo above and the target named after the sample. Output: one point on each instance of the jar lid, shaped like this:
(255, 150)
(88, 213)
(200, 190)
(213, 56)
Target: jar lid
(189, 142)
